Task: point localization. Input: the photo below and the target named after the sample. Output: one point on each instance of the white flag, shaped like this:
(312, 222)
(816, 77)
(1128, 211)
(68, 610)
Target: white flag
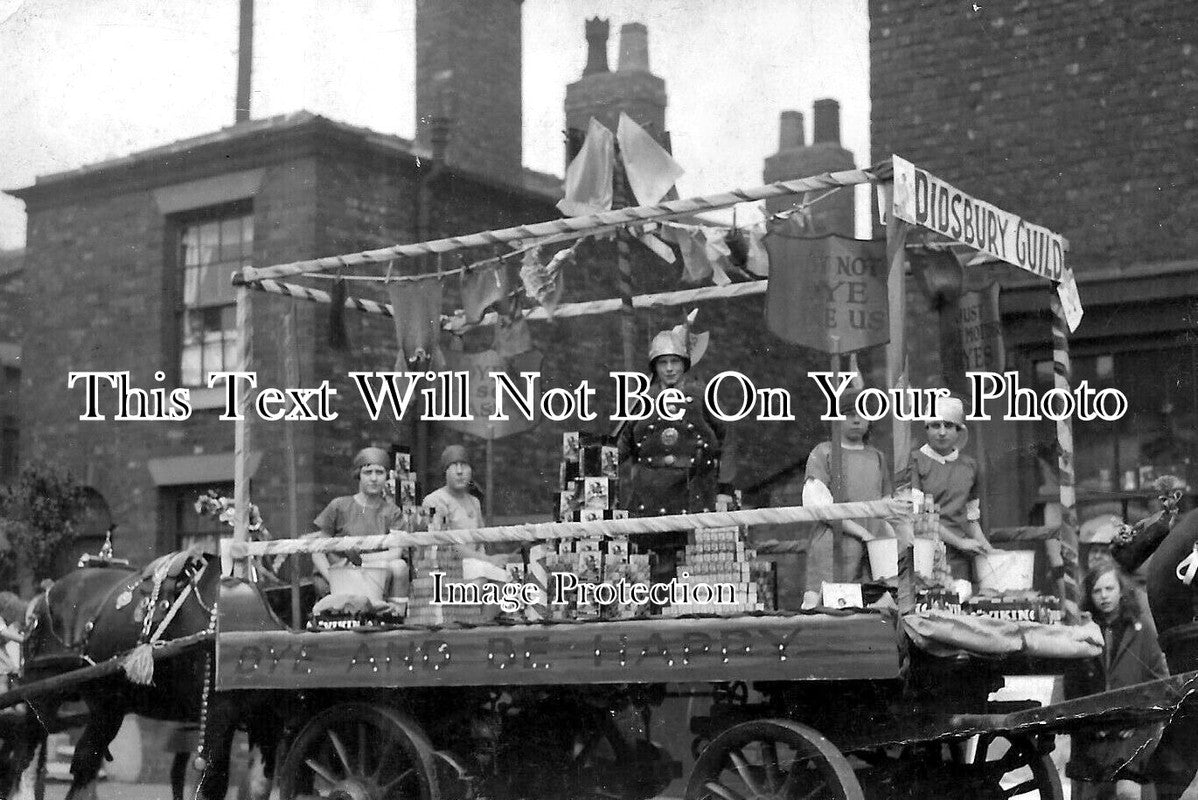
(588, 178)
(650, 169)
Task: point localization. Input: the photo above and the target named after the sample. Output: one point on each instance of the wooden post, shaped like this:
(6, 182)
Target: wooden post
(291, 379)
(837, 487)
(488, 513)
(242, 431)
(897, 375)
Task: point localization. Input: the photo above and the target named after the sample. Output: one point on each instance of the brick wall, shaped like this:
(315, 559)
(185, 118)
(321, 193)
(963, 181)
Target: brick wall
(1080, 115)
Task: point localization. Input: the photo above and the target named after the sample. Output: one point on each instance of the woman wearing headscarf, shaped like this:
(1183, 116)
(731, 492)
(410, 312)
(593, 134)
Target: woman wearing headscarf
(367, 512)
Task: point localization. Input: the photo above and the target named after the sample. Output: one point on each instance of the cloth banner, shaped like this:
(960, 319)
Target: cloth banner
(482, 288)
(589, 177)
(827, 292)
(481, 403)
(417, 315)
(650, 169)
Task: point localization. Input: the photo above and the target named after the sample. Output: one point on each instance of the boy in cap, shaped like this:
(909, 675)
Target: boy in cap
(940, 470)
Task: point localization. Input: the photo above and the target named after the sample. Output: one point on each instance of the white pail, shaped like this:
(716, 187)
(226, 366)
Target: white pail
(365, 581)
(1005, 570)
(883, 557)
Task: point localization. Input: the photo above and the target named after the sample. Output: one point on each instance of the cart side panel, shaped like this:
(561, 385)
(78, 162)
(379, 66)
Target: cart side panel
(809, 647)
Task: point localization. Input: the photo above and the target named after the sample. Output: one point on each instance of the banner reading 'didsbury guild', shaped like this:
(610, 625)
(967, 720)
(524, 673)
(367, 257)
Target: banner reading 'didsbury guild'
(924, 199)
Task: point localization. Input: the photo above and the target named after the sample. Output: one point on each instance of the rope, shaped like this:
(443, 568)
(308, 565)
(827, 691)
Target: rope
(584, 309)
(541, 531)
(586, 224)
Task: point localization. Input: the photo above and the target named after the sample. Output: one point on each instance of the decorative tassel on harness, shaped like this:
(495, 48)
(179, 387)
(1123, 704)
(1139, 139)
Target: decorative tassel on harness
(139, 665)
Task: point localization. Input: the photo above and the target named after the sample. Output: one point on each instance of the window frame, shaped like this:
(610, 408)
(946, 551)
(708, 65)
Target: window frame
(176, 277)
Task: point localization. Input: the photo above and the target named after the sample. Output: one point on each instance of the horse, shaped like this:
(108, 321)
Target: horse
(1173, 601)
(98, 612)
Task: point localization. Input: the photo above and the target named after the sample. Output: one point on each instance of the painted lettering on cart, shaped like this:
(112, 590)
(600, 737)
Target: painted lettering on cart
(690, 648)
(269, 660)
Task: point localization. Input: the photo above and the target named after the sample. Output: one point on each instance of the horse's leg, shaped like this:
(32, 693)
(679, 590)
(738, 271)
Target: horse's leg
(263, 733)
(29, 767)
(104, 721)
(179, 774)
(220, 726)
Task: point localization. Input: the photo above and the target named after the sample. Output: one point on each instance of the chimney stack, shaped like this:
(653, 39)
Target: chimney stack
(790, 131)
(245, 60)
(796, 159)
(602, 95)
(827, 122)
(596, 31)
(477, 43)
(634, 48)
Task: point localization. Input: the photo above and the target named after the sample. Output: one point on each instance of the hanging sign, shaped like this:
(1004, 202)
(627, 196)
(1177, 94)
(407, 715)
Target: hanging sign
(480, 405)
(1071, 301)
(828, 292)
(924, 199)
(981, 330)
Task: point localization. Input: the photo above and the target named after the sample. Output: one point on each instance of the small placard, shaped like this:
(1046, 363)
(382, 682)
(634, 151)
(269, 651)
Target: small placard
(1071, 301)
(842, 595)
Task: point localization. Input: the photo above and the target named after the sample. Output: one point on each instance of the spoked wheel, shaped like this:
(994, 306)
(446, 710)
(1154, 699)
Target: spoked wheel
(772, 760)
(1013, 767)
(358, 751)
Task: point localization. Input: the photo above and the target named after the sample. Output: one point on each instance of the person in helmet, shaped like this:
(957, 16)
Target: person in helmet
(367, 512)
(675, 463)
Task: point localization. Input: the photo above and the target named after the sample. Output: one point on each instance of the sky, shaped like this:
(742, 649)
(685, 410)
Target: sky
(86, 80)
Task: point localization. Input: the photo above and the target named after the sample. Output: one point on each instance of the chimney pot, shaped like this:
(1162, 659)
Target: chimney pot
(596, 33)
(826, 127)
(790, 133)
(634, 48)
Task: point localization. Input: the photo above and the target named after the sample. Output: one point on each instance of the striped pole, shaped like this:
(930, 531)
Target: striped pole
(582, 226)
(1062, 378)
(544, 531)
(621, 194)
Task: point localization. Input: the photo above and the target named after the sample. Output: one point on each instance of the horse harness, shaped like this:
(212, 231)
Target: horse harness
(159, 590)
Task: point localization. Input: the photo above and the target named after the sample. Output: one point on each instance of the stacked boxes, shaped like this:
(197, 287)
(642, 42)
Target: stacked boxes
(723, 575)
(588, 479)
(421, 611)
(402, 481)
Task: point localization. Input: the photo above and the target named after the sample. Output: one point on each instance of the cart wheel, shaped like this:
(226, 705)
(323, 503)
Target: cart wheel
(1014, 768)
(358, 751)
(772, 760)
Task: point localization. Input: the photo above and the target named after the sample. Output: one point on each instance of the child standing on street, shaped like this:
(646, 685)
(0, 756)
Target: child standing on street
(865, 476)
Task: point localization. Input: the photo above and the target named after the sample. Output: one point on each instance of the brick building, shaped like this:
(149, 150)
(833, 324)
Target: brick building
(12, 307)
(1083, 117)
(141, 247)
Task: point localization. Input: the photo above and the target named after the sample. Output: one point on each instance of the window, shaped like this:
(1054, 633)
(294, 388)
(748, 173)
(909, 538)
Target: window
(211, 246)
(1158, 434)
(183, 527)
(10, 443)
